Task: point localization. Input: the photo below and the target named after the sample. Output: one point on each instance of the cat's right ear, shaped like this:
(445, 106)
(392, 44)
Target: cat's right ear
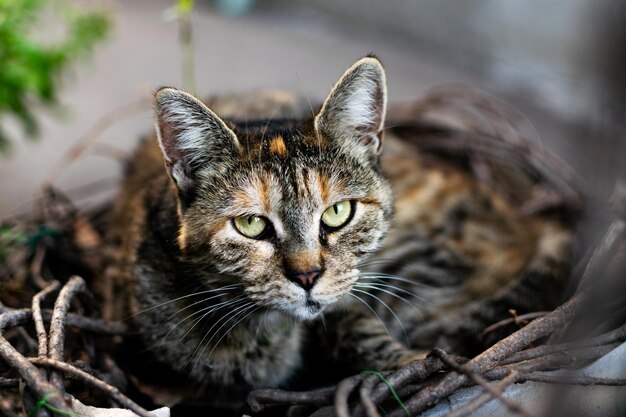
(354, 112)
(191, 136)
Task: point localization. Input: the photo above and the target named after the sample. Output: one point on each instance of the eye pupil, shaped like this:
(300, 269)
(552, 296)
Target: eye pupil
(337, 215)
(255, 227)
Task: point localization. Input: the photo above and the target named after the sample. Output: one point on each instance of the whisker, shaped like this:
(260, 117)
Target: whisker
(386, 285)
(377, 288)
(376, 261)
(226, 287)
(256, 335)
(406, 336)
(211, 309)
(228, 332)
(377, 275)
(202, 301)
(323, 319)
(373, 311)
(229, 316)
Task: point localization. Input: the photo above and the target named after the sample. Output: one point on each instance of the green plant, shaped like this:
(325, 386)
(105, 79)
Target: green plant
(29, 69)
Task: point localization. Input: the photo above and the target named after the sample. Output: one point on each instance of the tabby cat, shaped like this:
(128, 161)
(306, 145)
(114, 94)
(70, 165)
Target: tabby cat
(264, 247)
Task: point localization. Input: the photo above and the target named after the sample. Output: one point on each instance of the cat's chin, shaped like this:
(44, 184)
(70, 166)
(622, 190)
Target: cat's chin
(306, 311)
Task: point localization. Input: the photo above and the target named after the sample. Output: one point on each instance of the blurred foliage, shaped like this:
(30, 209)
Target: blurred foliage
(10, 238)
(29, 69)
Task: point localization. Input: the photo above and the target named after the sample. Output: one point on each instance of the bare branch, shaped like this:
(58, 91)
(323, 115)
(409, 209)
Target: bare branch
(57, 323)
(34, 379)
(495, 393)
(496, 390)
(42, 335)
(110, 390)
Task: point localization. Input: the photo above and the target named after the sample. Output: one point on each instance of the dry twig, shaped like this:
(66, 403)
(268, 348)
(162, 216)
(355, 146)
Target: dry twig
(57, 323)
(493, 391)
(496, 391)
(111, 391)
(34, 379)
(42, 335)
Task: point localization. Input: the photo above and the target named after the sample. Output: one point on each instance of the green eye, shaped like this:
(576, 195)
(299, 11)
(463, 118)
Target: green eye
(338, 214)
(253, 227)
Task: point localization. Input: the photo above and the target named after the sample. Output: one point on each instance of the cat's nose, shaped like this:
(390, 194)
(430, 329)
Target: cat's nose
(305, 279)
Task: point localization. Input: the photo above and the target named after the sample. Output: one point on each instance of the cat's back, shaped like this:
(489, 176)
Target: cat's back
(475, 253)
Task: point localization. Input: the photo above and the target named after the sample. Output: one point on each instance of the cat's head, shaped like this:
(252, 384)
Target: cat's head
(286, 208)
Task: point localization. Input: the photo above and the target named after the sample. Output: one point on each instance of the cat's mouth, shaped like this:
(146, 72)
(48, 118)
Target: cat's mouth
(308, 309)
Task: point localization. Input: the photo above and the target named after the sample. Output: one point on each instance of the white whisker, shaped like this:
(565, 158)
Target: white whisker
(224, 288)
(227, 332)
(171, 316)
(373, 311)
(378, 275)
(386, 285)
(211, 309)
(229, 316)
(406, 336)
(377, 288)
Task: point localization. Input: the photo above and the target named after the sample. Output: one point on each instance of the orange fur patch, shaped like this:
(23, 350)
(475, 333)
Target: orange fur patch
(243, 199)
(304, 260)
(324, 187)
(277, 146)
(264, 194)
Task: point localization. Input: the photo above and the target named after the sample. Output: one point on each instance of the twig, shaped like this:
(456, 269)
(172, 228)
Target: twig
(556, 360)
(57, 323)
(94, 382)
(42, 335)
(492, 356)
(572, 379)
(365, 393)
(92, 134)
(522, 319)
(414, 371)
(617, 335)
(34, 379)
(258, 400)
(98, 326)
(497, 388)
(93, 325)
(344, 389)
(495, 393)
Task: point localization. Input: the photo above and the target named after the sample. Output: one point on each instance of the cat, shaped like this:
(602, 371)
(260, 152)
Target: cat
(254, 251)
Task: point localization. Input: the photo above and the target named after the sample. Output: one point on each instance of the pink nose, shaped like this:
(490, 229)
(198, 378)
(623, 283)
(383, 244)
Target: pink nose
(305, 279)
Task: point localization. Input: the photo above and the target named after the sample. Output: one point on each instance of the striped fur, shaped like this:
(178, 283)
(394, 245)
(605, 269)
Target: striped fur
(219, 306)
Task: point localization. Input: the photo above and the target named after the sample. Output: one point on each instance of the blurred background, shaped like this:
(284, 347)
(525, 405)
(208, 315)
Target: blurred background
(560, 63)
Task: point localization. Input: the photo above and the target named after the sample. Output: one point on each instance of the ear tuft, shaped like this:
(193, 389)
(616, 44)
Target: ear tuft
(354, 112)
(191, 136)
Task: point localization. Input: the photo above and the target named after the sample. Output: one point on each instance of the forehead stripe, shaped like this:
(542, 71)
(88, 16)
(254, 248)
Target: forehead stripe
(277, 146)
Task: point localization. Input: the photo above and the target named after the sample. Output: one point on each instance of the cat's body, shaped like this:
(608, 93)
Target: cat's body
(268, 306)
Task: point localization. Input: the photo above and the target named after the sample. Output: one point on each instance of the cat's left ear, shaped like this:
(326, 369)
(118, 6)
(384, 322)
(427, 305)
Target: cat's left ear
(354, 112)
(192, 138)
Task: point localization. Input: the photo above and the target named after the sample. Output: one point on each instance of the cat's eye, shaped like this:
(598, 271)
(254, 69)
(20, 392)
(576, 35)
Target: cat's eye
(254, 227)
(338, 214)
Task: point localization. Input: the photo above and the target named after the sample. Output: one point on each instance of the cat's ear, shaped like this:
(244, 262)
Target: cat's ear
(354, 112)
(191, 136)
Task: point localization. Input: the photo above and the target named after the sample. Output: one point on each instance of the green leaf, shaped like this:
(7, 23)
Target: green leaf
(31, 70)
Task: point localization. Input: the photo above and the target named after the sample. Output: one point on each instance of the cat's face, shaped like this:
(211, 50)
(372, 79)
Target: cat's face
(286, 209)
